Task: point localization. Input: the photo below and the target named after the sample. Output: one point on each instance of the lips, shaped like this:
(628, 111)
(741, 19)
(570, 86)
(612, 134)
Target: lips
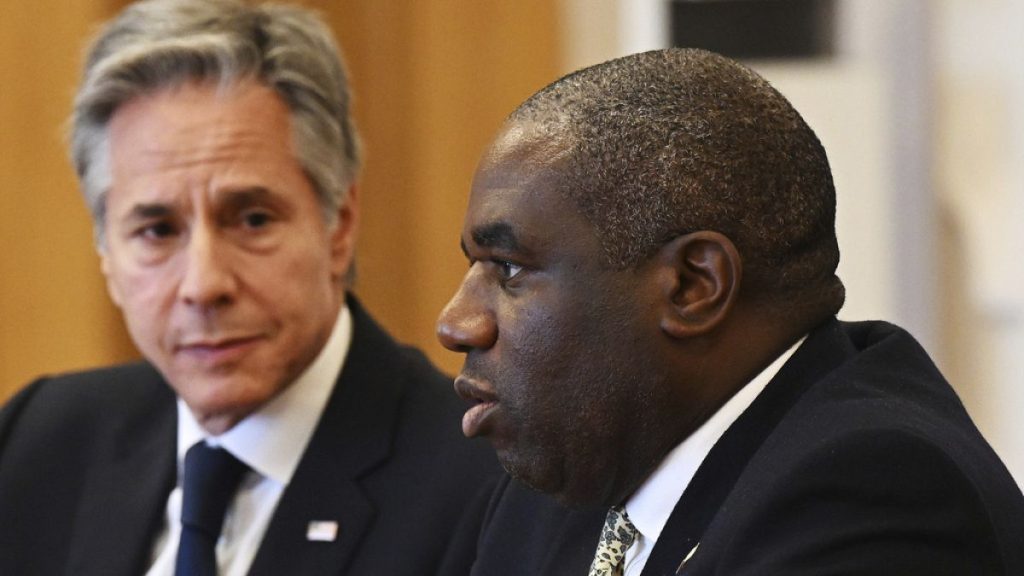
(483, 402)
(217, 350)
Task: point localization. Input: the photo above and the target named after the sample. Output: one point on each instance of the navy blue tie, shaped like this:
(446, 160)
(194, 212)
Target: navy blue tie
(211, 477)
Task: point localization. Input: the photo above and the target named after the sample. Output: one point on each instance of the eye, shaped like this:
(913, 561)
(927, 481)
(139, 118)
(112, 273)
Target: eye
(507, 269)
(256, 219)
(156, 230)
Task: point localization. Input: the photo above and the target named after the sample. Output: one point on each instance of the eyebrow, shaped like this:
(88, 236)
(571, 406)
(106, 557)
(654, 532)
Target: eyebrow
(245, 197)
(233, 199)
(495, 235)
(148, 212)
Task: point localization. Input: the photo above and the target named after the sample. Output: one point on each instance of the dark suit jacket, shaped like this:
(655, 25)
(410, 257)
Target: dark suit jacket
(857, 458)
(87, 462)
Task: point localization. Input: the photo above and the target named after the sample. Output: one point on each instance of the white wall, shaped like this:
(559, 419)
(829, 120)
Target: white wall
(922, 114)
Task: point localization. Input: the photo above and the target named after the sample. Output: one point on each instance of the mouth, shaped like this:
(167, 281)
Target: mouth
(483, 403)
(217, 350)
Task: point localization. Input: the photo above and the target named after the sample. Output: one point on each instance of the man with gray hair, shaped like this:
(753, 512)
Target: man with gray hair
(648, 322)
(274, 428)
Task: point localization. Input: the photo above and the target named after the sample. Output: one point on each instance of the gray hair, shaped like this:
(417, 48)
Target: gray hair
(155, 44)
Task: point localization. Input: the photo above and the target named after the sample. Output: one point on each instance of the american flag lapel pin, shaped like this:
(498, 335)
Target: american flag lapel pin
(322, 531)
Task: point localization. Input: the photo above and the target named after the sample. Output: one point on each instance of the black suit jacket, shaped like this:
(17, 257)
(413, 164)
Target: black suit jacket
(87, 462)
(857, 458)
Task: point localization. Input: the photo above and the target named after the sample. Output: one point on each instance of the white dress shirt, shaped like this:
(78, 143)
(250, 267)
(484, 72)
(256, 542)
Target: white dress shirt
(651, 505)
(271, 442)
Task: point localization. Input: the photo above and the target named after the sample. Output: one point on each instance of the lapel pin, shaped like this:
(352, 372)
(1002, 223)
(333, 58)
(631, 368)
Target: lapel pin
(687, 559)
(322, 531)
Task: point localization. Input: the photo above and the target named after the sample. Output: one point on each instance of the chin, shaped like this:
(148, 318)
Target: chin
(220, 407)
(566, 483)
(537, 473)
(224, 398)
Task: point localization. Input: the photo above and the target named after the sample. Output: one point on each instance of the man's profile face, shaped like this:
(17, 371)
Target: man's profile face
(216, 247)
(556, 342)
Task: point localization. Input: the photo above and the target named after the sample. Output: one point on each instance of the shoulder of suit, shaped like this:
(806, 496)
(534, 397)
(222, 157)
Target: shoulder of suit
(88, 400)
(136, 381)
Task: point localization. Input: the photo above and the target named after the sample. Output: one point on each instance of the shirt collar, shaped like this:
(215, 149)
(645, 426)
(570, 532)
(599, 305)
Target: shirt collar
(651, 505)
(272, 439)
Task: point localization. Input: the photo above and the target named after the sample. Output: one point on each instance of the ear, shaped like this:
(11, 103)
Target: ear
(105, 267)
(343, 236)
(700, 275)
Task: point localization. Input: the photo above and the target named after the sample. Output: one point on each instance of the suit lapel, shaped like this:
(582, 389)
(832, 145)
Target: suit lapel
(354, 435)
(124, 498)
(825, 348)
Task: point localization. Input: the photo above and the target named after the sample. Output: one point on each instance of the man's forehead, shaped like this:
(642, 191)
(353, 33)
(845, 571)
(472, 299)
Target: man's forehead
(529, 145)
(523, 155)
(512, 207)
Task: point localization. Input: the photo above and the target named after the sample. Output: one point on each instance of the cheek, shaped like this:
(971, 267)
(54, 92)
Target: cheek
(306, 253)
(580, 365)
(143, 293)
(146, 301)
(302, 277)
(548, 367)
(562, 345)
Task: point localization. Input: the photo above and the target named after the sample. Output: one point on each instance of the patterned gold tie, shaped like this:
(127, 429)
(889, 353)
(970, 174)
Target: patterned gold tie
(616, 537)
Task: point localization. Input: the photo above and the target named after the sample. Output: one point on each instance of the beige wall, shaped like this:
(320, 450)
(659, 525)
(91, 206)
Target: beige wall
(432, 80)
(979, 147)
(54, 314)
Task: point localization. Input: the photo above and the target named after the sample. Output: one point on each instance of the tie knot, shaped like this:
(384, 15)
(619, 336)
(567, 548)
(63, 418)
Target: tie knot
(616, 537)
(617, 525)
(211, 477)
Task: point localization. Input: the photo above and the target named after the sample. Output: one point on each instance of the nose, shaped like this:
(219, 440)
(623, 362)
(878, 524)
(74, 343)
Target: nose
(208, 280)
(467, 323)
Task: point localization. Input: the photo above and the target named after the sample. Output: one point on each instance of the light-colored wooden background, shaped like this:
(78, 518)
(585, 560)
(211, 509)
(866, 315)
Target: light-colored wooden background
(432, 82)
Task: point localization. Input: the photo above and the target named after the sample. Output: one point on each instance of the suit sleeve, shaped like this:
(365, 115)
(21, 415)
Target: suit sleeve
(876, 503)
